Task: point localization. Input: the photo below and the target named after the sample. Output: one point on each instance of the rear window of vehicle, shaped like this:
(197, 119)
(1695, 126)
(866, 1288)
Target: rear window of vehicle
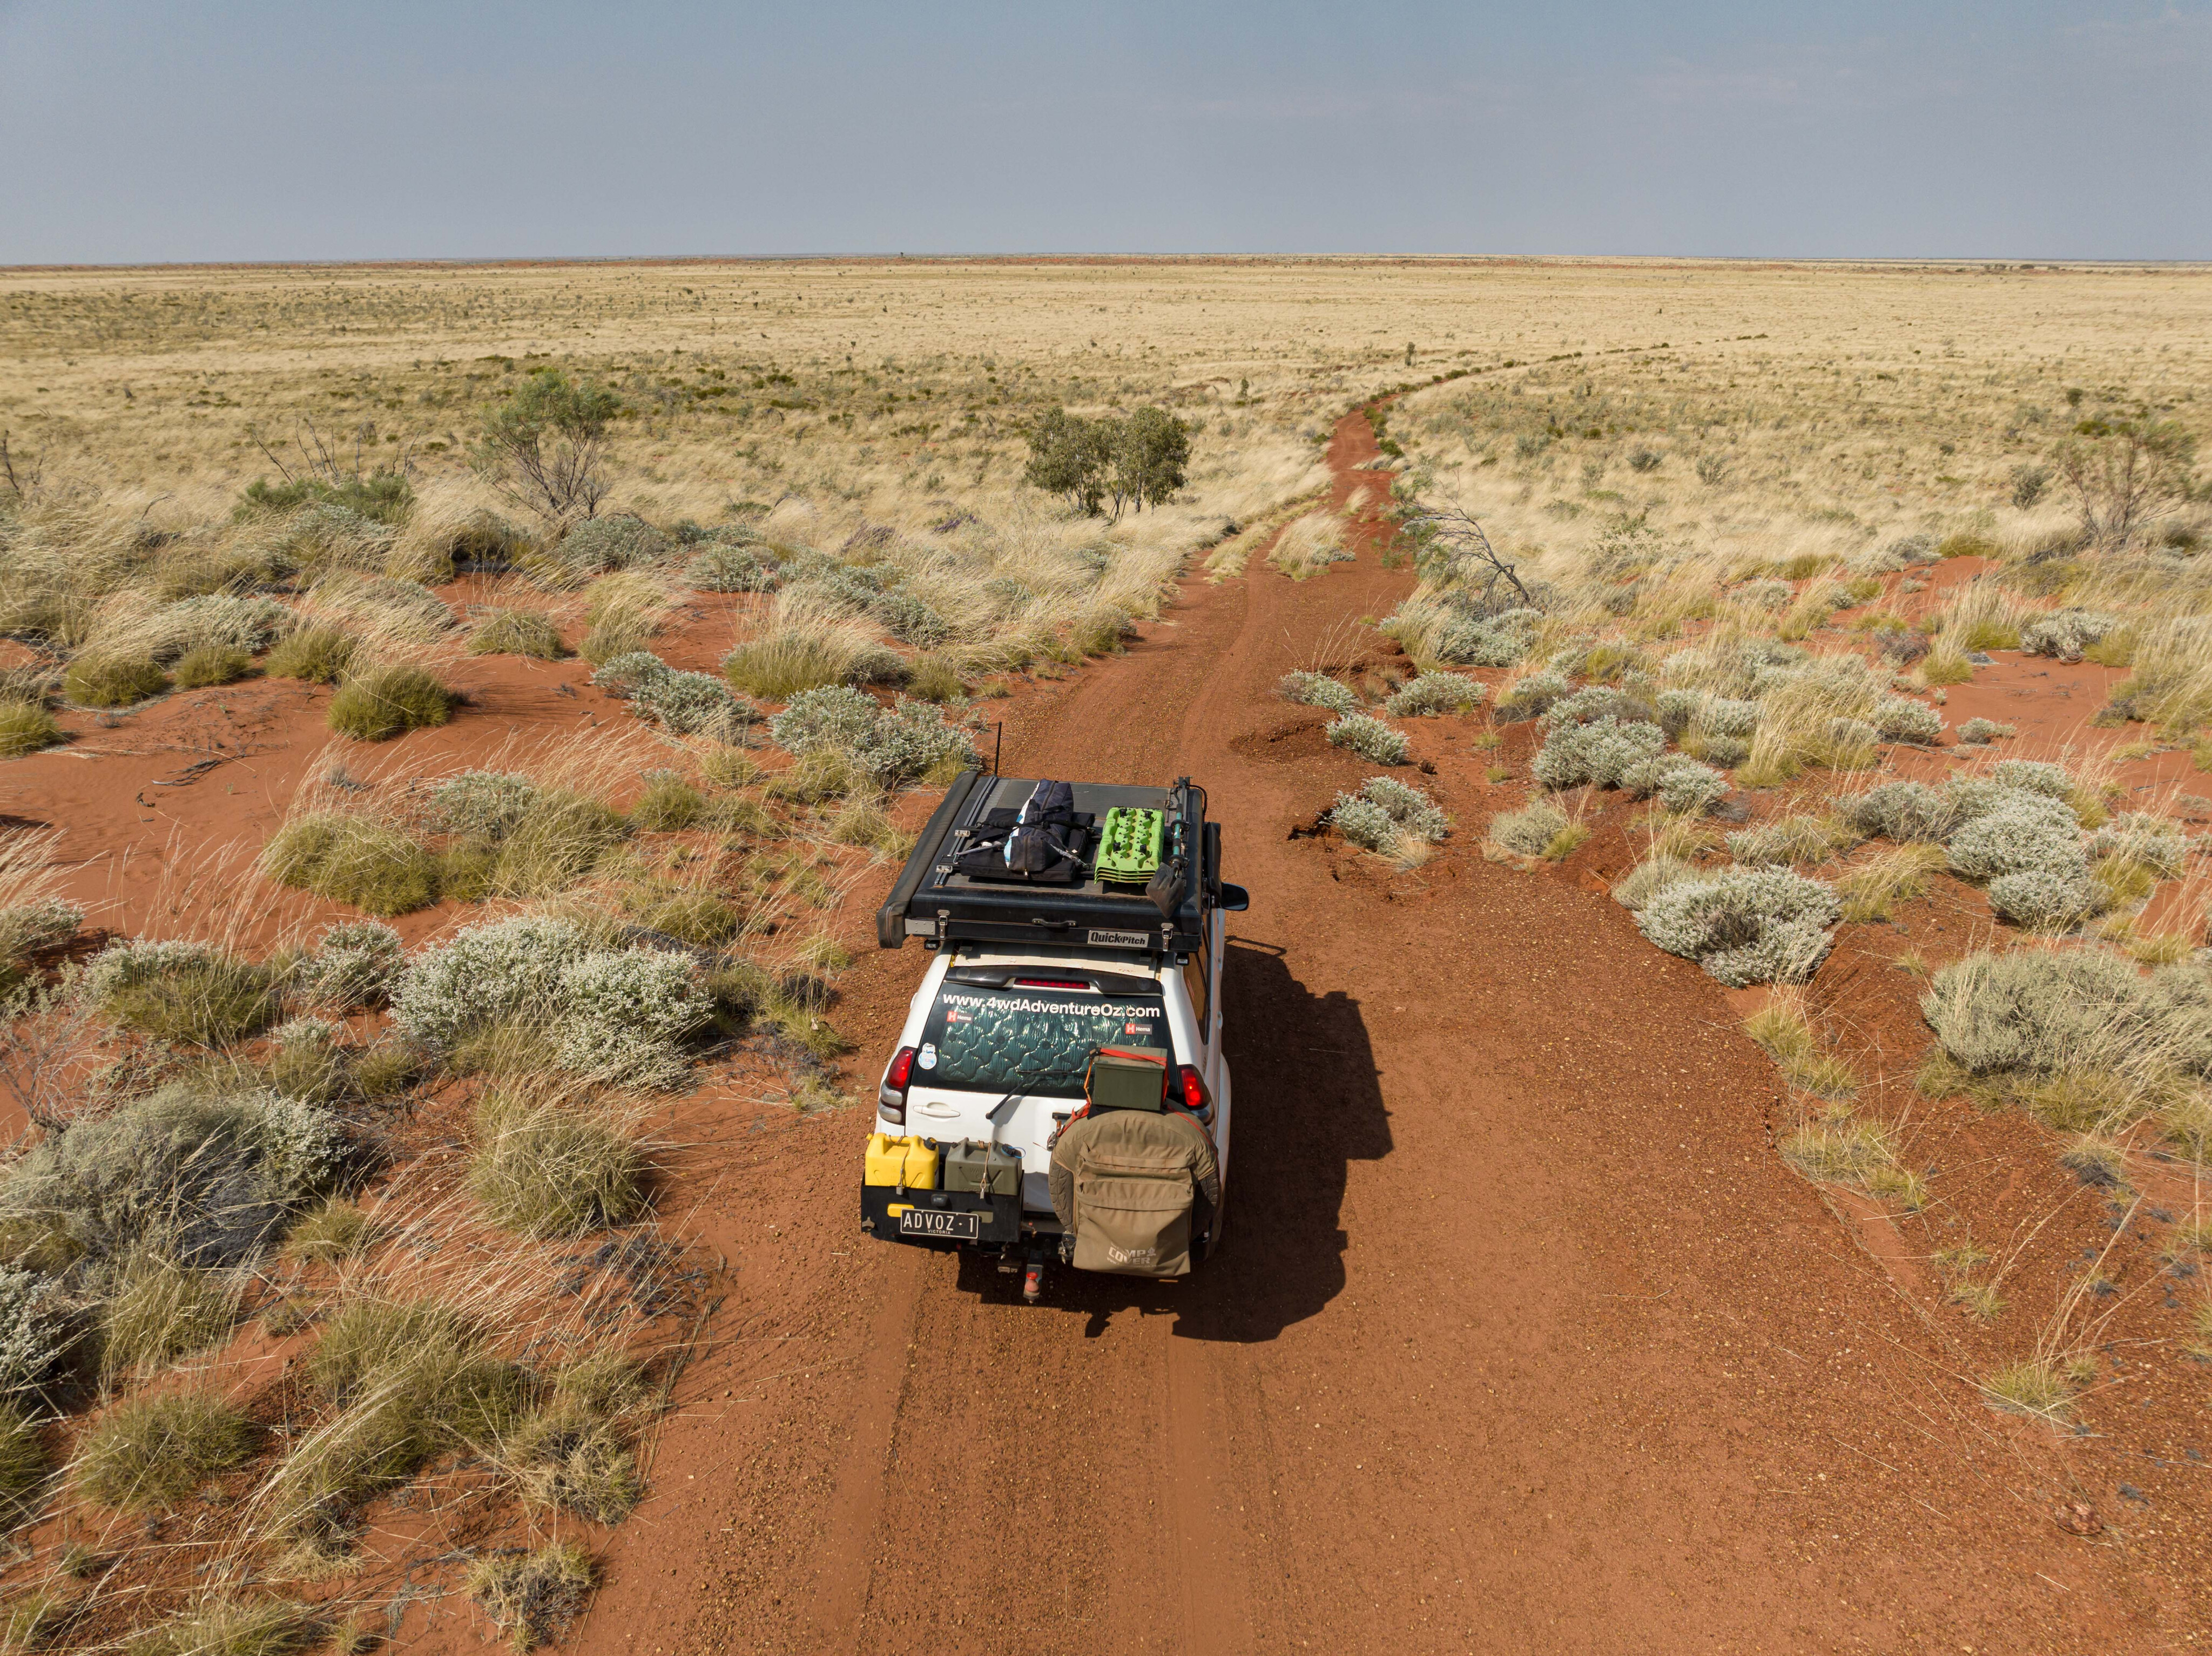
(1027, 1039)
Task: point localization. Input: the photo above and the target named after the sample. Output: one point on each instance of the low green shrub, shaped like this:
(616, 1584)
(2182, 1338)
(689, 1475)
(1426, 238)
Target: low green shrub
(150, 1454)
(308, 1062)
(319, 655)
(386, 702)
(112, 681)
(351, 859)
(25, 727)
(517, 633)
(212, 664)
(936, 678)
(554, 1168)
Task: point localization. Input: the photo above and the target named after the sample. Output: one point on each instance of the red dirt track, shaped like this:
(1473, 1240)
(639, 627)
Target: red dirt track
(1524, 1338)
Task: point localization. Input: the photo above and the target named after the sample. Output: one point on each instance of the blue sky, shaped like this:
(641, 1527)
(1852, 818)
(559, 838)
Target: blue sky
(142, 131)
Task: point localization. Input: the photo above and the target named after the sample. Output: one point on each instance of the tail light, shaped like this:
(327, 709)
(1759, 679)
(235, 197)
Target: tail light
(1196, 1098)
(890, 1097)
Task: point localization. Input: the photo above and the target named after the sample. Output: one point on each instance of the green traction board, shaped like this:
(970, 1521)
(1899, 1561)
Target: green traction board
(1129, 845)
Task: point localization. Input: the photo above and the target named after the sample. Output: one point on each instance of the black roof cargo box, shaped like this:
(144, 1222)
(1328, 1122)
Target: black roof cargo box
(933, 901)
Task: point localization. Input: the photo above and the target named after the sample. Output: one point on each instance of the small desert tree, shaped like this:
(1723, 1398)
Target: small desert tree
(1140, 460)
(1151, 458)
(2124, 474)
(546, 443)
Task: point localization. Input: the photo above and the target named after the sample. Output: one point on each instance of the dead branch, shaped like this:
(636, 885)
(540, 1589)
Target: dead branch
(1456, 529)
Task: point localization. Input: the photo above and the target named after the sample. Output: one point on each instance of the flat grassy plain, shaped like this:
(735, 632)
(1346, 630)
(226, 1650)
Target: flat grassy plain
(1817, 507)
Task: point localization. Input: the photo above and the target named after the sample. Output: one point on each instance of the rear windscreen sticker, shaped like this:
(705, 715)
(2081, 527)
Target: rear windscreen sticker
(928, 1056)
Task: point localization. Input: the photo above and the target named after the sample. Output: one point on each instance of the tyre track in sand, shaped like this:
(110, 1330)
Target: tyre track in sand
(1523, 1338)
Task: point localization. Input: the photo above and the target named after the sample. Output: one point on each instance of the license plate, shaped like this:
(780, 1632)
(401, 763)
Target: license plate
(951, 1227)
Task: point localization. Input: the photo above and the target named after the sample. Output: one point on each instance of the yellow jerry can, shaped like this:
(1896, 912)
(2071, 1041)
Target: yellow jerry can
(907, 1162)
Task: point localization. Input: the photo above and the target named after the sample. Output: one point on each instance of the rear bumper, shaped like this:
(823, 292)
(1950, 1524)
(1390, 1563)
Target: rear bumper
(999, 1219)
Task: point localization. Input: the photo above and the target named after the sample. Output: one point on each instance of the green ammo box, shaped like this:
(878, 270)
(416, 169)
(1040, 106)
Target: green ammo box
(1126, 1078)
(984, 1169)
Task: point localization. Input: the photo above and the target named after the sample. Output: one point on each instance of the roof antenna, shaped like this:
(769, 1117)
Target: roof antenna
(998, 741)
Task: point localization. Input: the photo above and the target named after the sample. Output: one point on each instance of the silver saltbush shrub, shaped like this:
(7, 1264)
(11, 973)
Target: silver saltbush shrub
(623, 1014)
(1681, 783)
(1903, 811)
(894, 744)
(1319, 690)
(618, 1014)
(2037, 1012)
(2029, 833)
(1597, 753)
(2041, 899)
(1370, 738)
(1500, 640)
(2065, 632)
(1744, 925)
(1383, 811)
(1432, 693)
(34, 1332)
(487, 803)
(2035, 775)
(354, 963)
(1900, 718)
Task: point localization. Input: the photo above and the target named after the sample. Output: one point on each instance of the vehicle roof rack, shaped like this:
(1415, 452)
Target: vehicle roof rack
(933, 901)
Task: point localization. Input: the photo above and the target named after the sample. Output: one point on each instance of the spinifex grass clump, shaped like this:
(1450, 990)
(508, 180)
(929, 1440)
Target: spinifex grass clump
(212, 664)
(319, 655)
(1540, 828)
(533, 1595)
(1872, 890)
(1744, 925)
(387, 702)
(517, 633)
(183, 992)
(1370, 738)
(228, 1625)
(1838, 1147)
(377, 868)
(555, 1166)
(151, 1454)
(113, 680)
(409, 1380)
(1782, 1028)
(25, 726)
(1790, 839)
(159, 1312)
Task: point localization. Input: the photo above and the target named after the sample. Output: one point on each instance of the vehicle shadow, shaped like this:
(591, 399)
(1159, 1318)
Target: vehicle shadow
(1308, 1104)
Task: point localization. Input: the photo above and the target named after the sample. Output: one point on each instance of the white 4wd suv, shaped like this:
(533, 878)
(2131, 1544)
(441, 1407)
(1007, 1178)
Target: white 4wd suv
(1029, 981)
